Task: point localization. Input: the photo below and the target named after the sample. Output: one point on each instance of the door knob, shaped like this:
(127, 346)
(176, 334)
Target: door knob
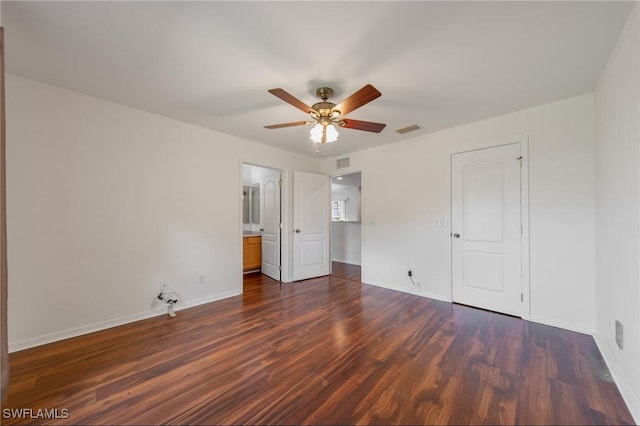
(456, 235)
(297, 231)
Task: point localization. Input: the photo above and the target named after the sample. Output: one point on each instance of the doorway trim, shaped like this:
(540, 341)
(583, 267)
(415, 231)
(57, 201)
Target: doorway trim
(524, 209)
(362, 228)
(284, 217)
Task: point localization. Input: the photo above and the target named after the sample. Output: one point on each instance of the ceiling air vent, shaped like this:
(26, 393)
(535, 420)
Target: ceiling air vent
(408, 129)
(342, 163)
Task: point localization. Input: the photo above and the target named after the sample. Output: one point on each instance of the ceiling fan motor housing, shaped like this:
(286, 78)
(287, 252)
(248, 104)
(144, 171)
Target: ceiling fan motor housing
(323, 111)
(324, 93)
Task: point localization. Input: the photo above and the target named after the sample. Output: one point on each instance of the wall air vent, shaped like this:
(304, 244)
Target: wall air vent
(408, 129)
(342, 163)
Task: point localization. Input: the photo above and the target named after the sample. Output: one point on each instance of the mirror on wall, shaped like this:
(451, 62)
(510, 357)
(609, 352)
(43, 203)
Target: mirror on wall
(251, 204)
(345, 197)
(254, 179)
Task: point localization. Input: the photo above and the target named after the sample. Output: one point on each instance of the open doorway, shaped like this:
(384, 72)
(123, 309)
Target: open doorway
(346, 226)
(261, 221)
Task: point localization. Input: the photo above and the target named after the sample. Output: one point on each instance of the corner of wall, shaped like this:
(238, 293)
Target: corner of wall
(626, 390)
(617, 138)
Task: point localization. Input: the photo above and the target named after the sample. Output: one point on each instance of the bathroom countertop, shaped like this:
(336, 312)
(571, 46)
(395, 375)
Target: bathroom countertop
(251, 234)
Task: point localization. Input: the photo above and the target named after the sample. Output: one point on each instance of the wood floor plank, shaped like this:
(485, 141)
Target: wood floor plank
(329, 350)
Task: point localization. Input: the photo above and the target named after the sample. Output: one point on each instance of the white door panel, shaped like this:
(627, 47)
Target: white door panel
(311, 221)
(312, 253)
(484, 270)
(483, 200)
(271, 225)
(486, 228)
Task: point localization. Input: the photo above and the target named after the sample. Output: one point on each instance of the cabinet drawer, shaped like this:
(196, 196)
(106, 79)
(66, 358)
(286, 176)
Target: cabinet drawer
(253, 240)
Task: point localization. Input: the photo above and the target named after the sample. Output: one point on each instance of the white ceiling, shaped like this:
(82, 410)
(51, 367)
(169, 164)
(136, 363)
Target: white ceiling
(437, 64)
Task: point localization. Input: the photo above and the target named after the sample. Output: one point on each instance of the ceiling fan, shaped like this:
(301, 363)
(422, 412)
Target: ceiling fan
(326, 115)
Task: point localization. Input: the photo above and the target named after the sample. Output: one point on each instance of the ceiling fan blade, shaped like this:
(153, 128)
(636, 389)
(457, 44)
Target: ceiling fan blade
(363, 125)
(292, 100)
(358, 99)
(279, 126)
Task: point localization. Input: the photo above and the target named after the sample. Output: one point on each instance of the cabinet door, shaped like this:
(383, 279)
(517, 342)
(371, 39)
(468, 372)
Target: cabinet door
(251, 254)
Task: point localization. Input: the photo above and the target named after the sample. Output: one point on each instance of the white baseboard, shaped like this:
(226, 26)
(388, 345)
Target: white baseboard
(102, 325)
(628, 395)
(559, 324)
(422, 292)
(208, 299)
(349, 261)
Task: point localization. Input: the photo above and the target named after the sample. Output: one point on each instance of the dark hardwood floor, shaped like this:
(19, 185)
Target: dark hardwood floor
(345, 270)
(324, 351)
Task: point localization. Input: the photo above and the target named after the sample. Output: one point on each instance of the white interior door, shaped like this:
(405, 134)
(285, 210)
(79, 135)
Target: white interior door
(486, 229)
(270, 185)
(311, 223)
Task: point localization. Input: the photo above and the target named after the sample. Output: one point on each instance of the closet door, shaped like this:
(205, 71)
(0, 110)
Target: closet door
(486, 227)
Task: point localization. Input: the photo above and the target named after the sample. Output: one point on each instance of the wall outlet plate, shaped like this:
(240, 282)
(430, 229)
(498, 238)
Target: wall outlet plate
(619, 334)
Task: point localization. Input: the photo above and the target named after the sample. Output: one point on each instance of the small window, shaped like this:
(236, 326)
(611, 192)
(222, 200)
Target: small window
(339, 210)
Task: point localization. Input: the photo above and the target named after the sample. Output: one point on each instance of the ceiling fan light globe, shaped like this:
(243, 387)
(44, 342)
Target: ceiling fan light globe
(316, 133)
(332, 133)
(329, 131)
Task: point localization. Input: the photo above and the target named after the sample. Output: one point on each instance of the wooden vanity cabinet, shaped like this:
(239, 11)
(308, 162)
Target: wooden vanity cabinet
(251, 253)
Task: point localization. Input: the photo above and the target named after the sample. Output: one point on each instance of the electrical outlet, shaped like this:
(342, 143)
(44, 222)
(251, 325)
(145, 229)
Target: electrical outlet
(201, 279)
(619, 334)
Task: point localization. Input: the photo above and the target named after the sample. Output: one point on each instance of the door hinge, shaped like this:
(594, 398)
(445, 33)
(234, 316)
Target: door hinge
(280, 268)
(280, 182)
(281, 226)
(522, 297)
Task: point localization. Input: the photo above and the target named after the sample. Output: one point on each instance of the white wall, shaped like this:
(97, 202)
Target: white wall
(346, 242)
(618, 210)
(406, 196)
(104, 201)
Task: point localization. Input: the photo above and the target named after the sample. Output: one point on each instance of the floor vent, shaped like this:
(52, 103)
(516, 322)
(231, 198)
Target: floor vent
(408, 129)
(342, 163)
